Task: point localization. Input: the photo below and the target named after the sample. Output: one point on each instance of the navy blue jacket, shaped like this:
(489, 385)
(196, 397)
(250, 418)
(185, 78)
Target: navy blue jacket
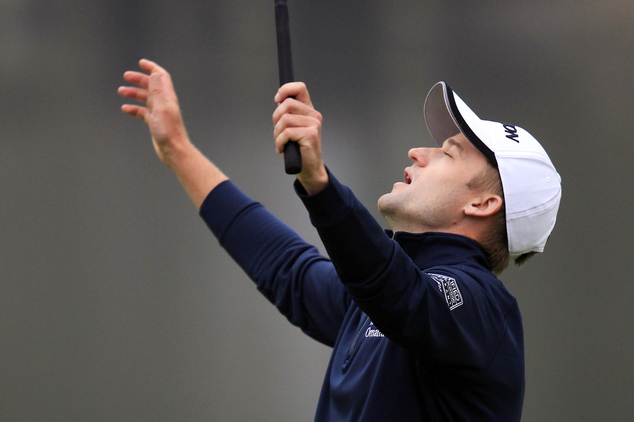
(421, 329)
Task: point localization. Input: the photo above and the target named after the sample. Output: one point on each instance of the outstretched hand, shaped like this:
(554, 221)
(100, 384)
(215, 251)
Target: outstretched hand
(161, 111)
(296, 120)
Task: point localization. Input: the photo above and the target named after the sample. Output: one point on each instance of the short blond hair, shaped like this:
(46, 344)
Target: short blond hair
(495, 243)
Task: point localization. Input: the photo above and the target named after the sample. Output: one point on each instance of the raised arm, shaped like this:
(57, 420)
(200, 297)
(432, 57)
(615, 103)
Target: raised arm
(161, 112)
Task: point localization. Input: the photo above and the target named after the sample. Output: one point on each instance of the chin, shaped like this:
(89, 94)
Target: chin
(387, 204)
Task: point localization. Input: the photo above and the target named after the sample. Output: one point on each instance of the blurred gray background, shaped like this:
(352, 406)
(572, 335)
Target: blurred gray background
(117, 304)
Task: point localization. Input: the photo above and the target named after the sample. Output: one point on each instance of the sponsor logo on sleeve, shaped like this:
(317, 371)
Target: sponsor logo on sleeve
(449, 287)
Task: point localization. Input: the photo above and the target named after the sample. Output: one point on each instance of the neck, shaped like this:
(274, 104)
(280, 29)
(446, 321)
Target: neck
(474, 229)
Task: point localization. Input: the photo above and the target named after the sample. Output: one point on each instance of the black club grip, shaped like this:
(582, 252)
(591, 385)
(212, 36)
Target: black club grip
(292, 156)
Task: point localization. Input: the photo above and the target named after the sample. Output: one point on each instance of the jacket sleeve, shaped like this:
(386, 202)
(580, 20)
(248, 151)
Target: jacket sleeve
(408, 305)
(290, 273)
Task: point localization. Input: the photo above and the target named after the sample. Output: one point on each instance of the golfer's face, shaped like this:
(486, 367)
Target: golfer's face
(435, 189)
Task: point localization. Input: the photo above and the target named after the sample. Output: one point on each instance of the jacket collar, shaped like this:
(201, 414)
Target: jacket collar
(434, 249)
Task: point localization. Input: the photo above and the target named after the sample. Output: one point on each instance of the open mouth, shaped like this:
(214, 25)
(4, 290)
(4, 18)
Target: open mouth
(408, 179)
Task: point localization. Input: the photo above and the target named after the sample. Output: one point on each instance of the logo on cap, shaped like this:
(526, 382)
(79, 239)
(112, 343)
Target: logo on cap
(511, 133)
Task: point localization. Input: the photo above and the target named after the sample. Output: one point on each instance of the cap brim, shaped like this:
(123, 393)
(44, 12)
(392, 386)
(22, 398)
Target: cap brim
(447, 115)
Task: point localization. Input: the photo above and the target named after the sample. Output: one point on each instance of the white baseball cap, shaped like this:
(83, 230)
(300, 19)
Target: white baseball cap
(532, 186)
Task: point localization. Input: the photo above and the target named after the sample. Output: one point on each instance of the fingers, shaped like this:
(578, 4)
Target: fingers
(296, 90)
(141, 80)
(295, 117)
(150, 67)
(303, 129)
(307, 138)
(135, 111)
(293, 114)
(296, 120)
(152, 88)
(137, 78)
(138, 94)
(294, 106)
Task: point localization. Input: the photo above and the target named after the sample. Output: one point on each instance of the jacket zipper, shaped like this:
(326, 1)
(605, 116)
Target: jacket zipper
(356, 339)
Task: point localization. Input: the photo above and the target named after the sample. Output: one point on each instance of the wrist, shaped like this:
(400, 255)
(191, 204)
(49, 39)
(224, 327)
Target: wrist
(315, 181)
(175, 151)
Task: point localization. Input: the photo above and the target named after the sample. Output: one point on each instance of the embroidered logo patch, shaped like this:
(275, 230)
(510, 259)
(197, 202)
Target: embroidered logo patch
(449, 288)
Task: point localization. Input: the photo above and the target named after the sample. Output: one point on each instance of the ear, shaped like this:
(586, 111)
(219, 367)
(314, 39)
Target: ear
(483, 206)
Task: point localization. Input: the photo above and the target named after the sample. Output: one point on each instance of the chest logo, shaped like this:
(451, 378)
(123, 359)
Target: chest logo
(372, 331)
(449, 287)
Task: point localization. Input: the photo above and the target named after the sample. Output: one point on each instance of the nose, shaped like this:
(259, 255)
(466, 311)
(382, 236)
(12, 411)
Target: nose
(419, 156)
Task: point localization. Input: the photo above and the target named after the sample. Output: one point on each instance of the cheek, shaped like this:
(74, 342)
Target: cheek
(439, 192)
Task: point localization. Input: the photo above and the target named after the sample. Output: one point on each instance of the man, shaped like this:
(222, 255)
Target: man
(421, 328)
